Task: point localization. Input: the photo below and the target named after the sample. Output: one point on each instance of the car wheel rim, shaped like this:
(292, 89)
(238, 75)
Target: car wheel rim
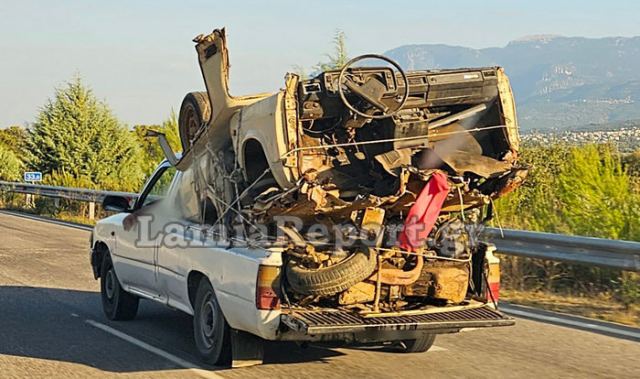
(109, 284)
(208, 321)
(192, 123)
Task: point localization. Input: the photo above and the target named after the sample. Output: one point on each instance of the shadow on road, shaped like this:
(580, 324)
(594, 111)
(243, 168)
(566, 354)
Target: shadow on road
(289, 352)
(38, 323)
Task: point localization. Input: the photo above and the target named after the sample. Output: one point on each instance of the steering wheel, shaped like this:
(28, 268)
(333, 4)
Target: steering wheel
(345, 81)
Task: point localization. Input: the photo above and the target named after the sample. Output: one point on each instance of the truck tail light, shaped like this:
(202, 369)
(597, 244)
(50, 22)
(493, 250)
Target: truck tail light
(268, 287)
(493, 274)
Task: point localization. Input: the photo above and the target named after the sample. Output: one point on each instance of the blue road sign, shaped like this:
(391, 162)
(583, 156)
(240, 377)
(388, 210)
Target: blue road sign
(32, 176)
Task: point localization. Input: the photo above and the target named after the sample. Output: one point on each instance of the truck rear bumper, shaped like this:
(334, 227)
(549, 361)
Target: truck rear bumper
(336, 324)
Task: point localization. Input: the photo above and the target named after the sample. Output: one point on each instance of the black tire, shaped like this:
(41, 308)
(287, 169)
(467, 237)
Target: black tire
(330, 280)
(194, 112)
(210, 329)
(420, 344)
(117, 304)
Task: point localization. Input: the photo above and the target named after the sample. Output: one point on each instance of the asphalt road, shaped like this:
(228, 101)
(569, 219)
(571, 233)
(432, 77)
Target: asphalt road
(51, 325)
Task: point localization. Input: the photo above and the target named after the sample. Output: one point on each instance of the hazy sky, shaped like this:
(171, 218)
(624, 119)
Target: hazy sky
(138, 55)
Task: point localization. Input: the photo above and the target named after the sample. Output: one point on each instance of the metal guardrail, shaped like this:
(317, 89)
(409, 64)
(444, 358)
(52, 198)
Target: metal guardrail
(622, 255)
(70, 193)
(601, 252)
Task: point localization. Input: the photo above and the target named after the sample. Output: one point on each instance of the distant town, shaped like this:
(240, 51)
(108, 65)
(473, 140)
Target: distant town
(626, 138)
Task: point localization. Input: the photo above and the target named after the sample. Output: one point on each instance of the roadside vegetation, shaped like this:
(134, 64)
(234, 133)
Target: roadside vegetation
(334, 60)
(77, 141)
(589, 190)
(592, 190)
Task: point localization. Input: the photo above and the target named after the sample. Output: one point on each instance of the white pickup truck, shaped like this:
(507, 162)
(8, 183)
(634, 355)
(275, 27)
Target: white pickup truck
(386, 177)
(152, 251)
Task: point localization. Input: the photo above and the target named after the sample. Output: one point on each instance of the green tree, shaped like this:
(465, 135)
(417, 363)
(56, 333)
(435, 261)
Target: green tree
(584, 190)
(595, 192)
(631, 163)
(77, 136)
(535, 205)
(339, 57)
(16, 139)
(10, 166)
(336, 60)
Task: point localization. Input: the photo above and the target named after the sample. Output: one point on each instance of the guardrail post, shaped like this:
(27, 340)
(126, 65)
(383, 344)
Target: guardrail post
(29, 201)
(92, 210)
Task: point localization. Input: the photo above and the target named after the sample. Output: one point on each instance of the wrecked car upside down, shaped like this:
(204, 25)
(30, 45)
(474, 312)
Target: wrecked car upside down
(374, 182)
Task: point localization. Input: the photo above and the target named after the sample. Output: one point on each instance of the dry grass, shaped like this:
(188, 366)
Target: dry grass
(601, 307)
(75, 218)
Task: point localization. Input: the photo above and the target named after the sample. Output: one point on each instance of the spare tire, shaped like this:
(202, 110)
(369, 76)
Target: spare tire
(332, 279)
(195, 111)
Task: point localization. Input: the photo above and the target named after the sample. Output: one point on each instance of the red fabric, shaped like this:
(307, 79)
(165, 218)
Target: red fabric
(424, 212)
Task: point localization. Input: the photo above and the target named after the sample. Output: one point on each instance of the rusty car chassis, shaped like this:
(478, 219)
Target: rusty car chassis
(348, 155)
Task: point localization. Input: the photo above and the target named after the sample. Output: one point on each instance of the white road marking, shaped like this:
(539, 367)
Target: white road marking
(435, 348)
(74, 315)
(560, 320)
(154, 350)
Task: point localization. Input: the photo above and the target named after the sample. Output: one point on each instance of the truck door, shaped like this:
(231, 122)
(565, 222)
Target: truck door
(181, 240)
(138, 240)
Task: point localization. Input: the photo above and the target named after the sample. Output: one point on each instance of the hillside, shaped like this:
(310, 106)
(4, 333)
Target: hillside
(559, 82)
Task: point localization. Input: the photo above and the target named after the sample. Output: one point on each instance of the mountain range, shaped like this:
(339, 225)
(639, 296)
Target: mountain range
(558, 82)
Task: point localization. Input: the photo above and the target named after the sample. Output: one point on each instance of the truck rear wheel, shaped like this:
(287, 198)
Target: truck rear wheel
(117, 304)
(194, 112)
(332, 279)
(210, 329)
(420, 344)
